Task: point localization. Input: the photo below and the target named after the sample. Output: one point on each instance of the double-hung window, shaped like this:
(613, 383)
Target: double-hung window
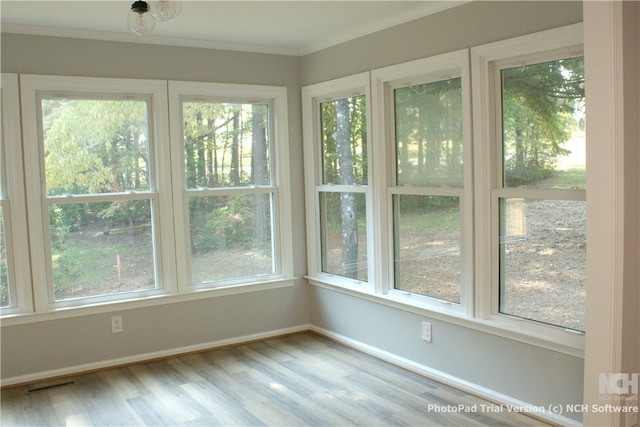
(120, 208)
(338, 165)
(479, 221)
(15, 275)
(424, 133)
(532, 193)
(232, 203)
(98, 196)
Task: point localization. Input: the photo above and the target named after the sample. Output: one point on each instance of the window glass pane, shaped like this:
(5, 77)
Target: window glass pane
(543, 260)
(231, 237)
(4, 274)
(543, 125)
(427, 245)
(429, 143)
(95, 146)
(226, 145)
(344, 141)
(101, 248)
(344, 235)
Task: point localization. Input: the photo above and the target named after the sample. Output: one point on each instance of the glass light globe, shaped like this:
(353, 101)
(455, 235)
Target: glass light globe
(164, 10)
(139, 20)
(140, 23)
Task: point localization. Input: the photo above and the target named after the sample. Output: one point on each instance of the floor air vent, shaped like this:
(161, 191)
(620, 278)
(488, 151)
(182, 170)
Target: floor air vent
(49, 387)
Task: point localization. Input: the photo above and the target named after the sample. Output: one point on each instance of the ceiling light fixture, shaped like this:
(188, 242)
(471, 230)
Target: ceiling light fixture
(142, 18)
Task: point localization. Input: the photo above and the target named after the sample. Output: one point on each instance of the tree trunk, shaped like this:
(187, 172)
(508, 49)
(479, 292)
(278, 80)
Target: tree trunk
(347, 200)
(260, 176)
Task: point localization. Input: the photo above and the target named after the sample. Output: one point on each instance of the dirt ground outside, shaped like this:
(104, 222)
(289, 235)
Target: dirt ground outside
(544, 252)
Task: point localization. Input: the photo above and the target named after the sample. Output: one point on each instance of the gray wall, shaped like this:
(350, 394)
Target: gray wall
(525, 372)
(43, 346)
(466, 26)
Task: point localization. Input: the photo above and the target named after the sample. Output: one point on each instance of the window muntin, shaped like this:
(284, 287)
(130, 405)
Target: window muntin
(541, 206)
(428, 134)
(427, 245)
(100, 227)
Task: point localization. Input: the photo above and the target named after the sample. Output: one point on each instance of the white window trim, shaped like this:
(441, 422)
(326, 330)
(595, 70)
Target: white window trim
(486, 62)
(312, 98)
(154, 91)
(276, 98)
(383, 81)
(13, 205)
(478, 314)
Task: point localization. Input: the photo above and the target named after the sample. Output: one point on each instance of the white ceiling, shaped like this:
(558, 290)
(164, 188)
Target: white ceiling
(282, 27)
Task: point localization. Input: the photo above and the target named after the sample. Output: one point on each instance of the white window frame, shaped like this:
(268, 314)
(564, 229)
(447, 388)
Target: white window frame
(276, 98)
(12, 199)
(384, 81)
(313, 97)
(487, 61)
(479, 288)
(33, 87)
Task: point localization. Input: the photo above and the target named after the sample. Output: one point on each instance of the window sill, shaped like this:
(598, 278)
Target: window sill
(562, 341)
(156, 300)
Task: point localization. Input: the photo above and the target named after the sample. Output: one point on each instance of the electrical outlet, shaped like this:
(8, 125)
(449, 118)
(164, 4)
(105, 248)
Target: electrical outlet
(116, 324)
(426, 331)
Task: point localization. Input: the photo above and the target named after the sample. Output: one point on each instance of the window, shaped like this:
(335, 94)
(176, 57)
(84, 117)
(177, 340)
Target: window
(542, 208)
(534, 225)
(490, 235)
(110, 184)
(231, 185)
(426, 119)
(96, 191)
(338, 186)
(15, 292)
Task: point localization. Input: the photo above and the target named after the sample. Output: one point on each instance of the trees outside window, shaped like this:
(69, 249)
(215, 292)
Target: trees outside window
(492, 228)
(97, 189)
(344, 160)
(531, 184)
(542, 213)
(229, 208)
(120, 209)
(338, 184)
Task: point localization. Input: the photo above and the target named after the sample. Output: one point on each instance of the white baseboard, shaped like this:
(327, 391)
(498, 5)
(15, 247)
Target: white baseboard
(443, 377)
(138, 358)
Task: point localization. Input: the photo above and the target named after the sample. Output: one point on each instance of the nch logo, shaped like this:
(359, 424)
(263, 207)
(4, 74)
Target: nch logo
(620, 383)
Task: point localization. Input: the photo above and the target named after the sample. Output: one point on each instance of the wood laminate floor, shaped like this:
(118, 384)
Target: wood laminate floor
(295, 380)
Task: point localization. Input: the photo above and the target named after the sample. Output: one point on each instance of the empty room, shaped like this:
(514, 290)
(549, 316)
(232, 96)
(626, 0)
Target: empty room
(320, 213)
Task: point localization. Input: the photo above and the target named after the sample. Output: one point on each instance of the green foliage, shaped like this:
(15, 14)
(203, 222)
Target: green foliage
(95, 146)
(220, 224)
(539, 106)
(429, 138)
(65, 270)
